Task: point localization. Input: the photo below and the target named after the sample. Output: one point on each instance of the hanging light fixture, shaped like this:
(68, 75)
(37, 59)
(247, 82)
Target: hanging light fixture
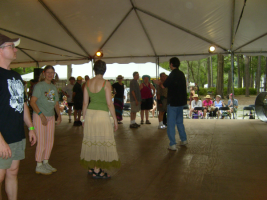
(212, 49)
(99, 54)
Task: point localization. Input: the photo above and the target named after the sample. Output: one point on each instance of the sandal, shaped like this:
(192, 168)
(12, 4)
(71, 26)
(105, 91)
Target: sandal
(148, 122)
(98, 175)
(142, 121)
(93, 171)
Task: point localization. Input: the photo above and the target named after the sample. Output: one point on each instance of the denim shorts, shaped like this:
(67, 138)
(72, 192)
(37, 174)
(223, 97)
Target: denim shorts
(18, 153)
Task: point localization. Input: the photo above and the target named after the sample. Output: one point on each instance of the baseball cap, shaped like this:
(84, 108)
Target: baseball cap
(4, 39)
(79, 78)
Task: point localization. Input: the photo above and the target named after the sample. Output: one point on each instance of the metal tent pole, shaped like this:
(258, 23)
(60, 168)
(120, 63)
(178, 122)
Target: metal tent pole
(233, 80)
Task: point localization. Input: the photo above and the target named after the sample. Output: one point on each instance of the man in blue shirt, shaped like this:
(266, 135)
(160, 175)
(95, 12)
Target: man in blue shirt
(176, 99)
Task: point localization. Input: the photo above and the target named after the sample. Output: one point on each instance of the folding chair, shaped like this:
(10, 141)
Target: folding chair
(197, 115)
(127, 109)
(224, 111)
(251, 110)
(186, 111)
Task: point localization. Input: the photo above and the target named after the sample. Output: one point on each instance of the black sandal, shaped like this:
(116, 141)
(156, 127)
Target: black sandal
(93, 171)
(98, 176)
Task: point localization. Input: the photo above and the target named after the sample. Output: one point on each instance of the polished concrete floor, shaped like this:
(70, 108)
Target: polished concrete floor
(225, 159)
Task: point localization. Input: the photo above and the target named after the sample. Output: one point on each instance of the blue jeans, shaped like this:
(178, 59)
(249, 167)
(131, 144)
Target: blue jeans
(175, 117)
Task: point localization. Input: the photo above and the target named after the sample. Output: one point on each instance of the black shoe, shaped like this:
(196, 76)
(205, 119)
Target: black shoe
(69, 120)
(138, 125)
(133, 126)
(80, 123)
(76, 123)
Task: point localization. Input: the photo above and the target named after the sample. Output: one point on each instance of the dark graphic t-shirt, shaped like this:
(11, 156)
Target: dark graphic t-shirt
(11, 106)
(78, 98)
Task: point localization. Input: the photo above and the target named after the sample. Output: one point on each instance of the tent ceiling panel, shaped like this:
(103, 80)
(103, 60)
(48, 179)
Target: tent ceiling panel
(251, 25)
(183, 28)
(29, 18)
(177, 41)
(90, 21)
(129, 40)
(205, 18)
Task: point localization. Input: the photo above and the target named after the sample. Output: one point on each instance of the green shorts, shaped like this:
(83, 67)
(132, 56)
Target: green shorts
(18, 153)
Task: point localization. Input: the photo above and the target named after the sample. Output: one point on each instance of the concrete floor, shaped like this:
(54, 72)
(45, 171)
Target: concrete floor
(225, 159)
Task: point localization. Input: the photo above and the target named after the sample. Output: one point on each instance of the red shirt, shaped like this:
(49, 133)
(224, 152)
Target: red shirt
(146, 92)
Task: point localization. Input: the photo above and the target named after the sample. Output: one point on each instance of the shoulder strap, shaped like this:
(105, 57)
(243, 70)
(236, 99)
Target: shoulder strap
(104, 84)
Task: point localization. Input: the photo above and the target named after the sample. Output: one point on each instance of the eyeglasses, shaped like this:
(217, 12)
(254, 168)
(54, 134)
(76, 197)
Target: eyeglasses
(11, 45)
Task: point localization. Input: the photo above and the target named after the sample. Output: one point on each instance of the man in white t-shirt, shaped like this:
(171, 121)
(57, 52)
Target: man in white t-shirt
(195, 103)
(68, 90)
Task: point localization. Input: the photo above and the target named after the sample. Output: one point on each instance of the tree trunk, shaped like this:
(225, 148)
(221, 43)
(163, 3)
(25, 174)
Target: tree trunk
(258, 75)
(220, 66)
(247, 75)
(230, 79)
(239, 79)
(191, 69)
(209, 75)
(265, 78)
(198, 72)
(211, 71)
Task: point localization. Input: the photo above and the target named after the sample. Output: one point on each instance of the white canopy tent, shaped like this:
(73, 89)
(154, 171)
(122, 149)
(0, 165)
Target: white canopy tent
(113, 70)
(70, 32)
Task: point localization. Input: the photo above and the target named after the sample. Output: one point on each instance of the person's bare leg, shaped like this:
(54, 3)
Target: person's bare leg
(142, 115)
(161, 116)
(2, 178)
(190, 112)
(147, 114)
(79, 115)
(11, 182)
(75, 115)
(133, 116)
(205, 111)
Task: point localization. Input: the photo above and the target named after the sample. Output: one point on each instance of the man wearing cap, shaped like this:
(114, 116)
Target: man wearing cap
(77, 97)
(68, 91)
(13, 113)
(176, 99)
(195, 103)
(207, 103)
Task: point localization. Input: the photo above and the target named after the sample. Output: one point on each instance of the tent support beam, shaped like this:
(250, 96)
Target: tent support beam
(181, 28)
(150, 42)
(232, 25)
(64, 27)
(117, 27)
(233, 78)
(18, 34)
(257, 38)
(37, 64)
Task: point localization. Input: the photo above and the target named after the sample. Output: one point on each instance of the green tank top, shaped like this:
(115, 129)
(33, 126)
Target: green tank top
(98, 100)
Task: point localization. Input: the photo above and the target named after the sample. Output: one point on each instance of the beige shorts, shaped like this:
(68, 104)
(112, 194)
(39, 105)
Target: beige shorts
(18, 153)
(134, 107)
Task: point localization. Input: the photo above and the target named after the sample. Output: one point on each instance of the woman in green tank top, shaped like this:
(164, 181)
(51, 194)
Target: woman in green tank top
(99, 147)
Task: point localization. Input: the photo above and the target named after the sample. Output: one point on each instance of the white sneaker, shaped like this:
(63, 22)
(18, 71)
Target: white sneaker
(162, 127)
(173, 148)
(49, 167)
(42, 170)
(184, 143)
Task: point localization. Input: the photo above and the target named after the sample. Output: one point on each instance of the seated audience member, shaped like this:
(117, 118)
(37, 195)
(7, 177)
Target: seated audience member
(195, 103)
(64, 105)
(218, 104)
(207, 105)
(233, 105)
